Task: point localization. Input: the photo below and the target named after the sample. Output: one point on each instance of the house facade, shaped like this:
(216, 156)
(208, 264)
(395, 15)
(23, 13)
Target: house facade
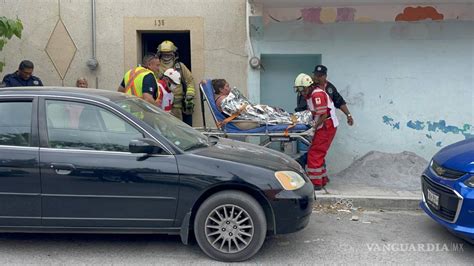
(405, 68)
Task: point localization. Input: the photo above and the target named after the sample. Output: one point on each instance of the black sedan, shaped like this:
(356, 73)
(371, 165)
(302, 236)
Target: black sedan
(94, 161)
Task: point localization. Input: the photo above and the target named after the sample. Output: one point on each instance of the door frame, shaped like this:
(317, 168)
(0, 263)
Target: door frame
(133, 26)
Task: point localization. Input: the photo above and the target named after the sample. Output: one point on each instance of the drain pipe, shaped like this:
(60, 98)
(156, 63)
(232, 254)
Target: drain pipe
(248, 10)
(254, 61)
(92, 63)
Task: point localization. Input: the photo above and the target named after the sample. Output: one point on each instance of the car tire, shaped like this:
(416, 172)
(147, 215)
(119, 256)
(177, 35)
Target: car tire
(230, 226)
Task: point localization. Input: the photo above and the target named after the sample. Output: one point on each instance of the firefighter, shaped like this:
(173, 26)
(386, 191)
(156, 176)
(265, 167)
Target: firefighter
(184, 94)
(324, 123)
(171, 79)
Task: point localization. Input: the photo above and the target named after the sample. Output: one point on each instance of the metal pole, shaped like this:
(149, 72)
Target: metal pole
(93, 30)
(92, 63)
(202, 108)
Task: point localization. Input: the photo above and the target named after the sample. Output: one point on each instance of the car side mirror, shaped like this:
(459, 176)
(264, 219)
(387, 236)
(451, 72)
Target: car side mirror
(147, 146)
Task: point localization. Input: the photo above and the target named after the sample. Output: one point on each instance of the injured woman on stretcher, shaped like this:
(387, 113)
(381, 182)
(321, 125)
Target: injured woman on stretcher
(234, 105)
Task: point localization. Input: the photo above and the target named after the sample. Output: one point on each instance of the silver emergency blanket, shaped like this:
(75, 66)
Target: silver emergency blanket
(304, 117)
(261, 113)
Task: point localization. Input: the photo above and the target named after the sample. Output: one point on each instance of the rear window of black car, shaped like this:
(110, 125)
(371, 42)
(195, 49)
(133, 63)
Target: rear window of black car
(74, 125)
(15, 123)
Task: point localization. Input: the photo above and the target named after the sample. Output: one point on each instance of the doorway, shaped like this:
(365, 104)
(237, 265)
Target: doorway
(143, 34)
(182, 40)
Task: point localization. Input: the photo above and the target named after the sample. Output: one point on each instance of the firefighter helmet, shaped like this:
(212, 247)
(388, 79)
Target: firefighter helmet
(173, 75)
(167, 47)
(303, 80)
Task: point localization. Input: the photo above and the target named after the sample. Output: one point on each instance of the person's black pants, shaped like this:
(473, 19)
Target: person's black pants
(188, 119)
(302, 160)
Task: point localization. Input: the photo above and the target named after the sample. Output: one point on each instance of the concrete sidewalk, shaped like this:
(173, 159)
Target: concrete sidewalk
(369, 198)
(377, 181)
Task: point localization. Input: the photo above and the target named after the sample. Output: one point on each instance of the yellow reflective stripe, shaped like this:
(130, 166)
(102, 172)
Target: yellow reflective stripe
(133, 80)
(130, 81)
(190, 91)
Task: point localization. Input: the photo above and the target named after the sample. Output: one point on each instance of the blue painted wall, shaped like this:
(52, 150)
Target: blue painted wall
(278, 78)
(409, 85)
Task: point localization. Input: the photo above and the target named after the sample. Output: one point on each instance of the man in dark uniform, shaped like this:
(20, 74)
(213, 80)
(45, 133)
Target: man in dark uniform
(320, 78)
(23, 77)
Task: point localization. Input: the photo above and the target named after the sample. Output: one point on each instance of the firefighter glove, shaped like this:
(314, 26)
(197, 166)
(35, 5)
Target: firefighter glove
(188, 105)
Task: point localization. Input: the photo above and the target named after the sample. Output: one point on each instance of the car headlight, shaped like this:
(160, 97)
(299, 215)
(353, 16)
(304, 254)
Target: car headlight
(290, 180)
(470, 182)
(445, 172)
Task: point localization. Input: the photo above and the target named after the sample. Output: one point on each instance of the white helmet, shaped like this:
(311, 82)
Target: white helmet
(174, 75)
(303, 80)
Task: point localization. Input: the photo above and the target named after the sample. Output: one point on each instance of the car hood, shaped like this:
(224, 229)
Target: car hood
(458, 156)
(249, 154)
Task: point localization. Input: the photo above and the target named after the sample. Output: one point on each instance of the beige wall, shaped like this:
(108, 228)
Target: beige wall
(223, 35)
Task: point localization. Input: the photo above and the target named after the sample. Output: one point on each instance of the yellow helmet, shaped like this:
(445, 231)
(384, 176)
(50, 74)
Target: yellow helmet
(166, 47)
(303, 80)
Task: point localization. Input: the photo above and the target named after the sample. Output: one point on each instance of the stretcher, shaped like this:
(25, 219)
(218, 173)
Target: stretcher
(225, 127)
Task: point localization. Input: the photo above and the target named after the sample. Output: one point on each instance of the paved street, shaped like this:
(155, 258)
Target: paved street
(377, 237)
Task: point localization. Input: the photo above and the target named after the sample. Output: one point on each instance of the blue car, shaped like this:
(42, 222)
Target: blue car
(448, 188)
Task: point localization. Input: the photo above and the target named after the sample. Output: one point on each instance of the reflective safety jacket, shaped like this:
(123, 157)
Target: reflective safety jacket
(133, 80)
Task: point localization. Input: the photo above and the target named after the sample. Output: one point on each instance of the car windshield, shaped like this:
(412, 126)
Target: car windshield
(177, 132)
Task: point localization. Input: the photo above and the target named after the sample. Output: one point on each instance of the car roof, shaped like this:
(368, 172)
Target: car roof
(88, 93)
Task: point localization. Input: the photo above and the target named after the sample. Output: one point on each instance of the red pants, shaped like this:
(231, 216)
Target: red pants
(320, 144)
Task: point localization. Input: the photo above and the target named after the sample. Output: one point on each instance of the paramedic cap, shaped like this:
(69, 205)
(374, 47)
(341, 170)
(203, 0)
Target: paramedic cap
(320, 69)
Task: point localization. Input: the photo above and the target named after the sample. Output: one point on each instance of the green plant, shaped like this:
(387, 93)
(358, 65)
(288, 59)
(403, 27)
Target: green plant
(8, 29)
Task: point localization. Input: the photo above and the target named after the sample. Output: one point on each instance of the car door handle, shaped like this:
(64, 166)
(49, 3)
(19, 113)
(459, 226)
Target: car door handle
(62, 168)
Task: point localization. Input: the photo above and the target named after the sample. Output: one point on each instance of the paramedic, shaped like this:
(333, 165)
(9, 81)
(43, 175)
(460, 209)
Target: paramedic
(324, 123)
(166, 85)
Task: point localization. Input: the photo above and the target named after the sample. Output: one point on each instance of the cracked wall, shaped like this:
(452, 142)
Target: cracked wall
(409, 85)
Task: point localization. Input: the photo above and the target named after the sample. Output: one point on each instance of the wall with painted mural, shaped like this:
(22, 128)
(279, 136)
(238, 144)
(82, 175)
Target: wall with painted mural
(364, 14)
(405, 71)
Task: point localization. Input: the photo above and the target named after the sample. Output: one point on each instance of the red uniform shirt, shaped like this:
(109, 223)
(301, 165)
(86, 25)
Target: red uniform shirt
(320, 104)
(164, 100)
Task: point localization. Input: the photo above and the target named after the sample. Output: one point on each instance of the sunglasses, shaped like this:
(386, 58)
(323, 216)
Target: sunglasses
(299, 89)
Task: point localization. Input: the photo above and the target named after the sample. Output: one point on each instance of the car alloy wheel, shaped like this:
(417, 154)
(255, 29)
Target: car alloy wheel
(229, 228)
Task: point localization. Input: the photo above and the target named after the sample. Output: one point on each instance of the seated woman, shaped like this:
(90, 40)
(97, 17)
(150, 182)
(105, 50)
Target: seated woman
(221, 90)
(231, 101)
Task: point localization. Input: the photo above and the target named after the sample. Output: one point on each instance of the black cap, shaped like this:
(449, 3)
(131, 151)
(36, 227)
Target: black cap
(320, 69)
